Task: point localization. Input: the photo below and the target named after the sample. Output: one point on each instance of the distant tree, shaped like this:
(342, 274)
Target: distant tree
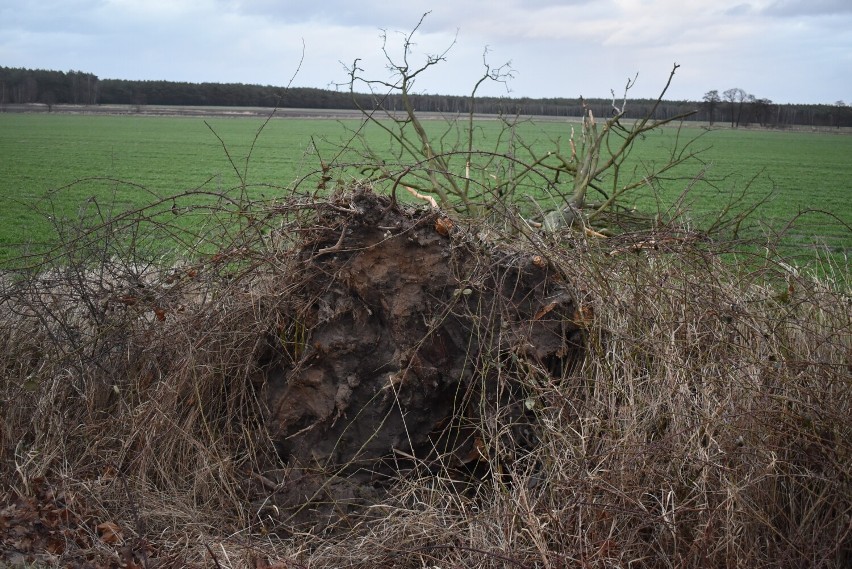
(746, 110)
(49, 99)
(735, 97)
(139, 99)
(839, 114)
(730, 96)
(761, 110)
(742, 106)
(711, 100)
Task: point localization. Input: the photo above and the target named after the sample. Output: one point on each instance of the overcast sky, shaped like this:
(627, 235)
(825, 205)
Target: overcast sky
(789, 51)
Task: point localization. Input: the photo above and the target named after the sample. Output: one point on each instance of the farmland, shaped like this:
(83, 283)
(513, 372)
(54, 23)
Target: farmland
(54, 164)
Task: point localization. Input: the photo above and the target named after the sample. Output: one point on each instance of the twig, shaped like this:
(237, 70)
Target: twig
(265, 482)
(420, 196)
(396, 183)
(336, 247)
(212, 555)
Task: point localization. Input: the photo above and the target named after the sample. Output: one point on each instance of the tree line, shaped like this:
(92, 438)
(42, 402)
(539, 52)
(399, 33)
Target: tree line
(733, 106)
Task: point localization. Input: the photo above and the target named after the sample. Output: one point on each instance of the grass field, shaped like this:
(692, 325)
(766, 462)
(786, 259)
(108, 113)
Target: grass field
(52, 165)
(49, 163)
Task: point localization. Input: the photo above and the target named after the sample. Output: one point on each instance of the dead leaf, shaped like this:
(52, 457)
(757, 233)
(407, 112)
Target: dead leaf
(443, 225)
(583, 316)
(23, 544)
(109, 532)
(51, 517)
(129, 299)
(477, 453)
(543, 311)
(55, 545)
(109, 473)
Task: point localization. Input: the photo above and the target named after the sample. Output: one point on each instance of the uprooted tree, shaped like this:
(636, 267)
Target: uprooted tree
(471, 180)
(345, 379)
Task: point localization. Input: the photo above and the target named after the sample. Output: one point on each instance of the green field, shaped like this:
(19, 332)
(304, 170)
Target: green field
(55, 163)
(52, 165)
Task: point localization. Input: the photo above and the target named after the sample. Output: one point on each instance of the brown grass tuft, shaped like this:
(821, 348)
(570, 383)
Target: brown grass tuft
(706, 425)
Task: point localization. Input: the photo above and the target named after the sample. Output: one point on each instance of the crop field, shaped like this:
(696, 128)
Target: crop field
(56, 166)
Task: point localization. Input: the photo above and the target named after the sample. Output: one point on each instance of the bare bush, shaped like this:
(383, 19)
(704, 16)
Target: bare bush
(449, 161)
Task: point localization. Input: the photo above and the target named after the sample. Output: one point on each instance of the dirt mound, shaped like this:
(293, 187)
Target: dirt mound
(407, 336)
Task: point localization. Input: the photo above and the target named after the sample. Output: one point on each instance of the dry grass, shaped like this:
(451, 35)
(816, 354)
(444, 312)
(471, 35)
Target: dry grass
(707, 424)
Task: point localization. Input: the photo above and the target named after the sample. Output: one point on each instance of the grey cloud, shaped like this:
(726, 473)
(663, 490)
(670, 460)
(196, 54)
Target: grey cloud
(787, 8)
(445, 15)
(335, 12)
(740, 10)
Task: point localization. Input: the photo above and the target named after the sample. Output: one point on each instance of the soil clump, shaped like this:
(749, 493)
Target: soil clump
(406, 350)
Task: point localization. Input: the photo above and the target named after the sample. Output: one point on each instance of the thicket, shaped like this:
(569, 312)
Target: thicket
(703, 422)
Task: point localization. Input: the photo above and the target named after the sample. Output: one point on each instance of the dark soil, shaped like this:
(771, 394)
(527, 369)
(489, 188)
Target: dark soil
(409, 333)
